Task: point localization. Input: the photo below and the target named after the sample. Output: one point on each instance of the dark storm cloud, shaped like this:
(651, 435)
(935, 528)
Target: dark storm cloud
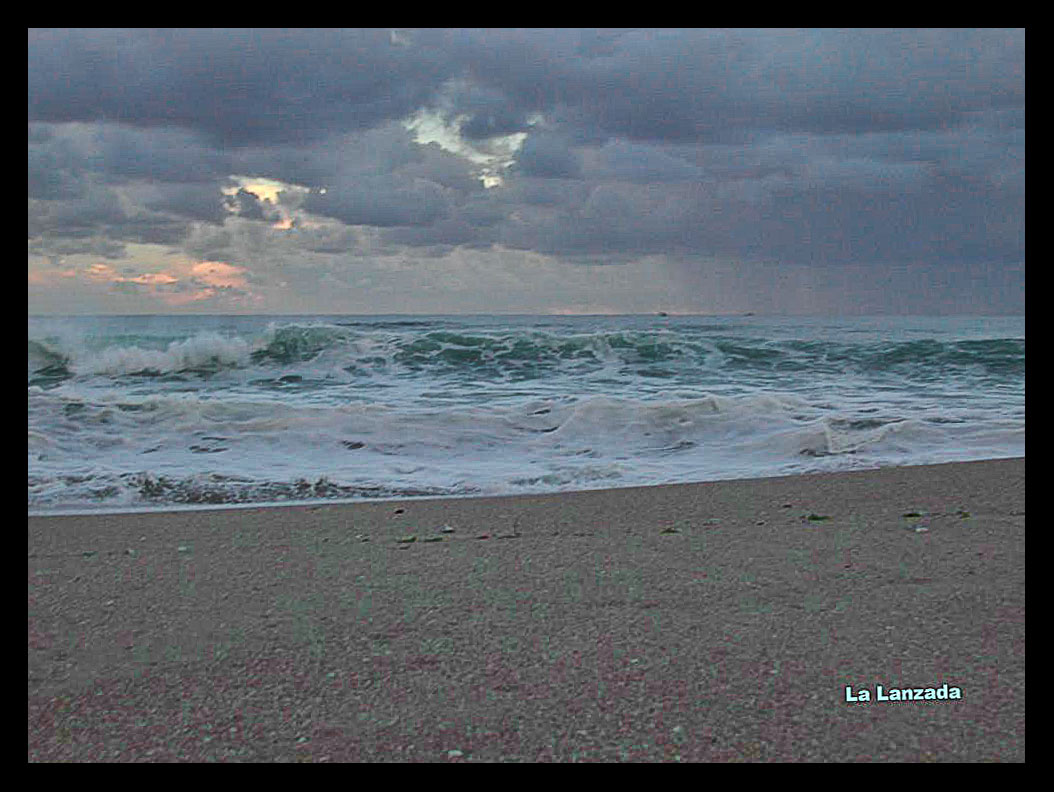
(167, 155)
(68, 225)
(375, 201)
(488, 113)
(76, 173)
(621, 160)
(372, 152)
(613, 220)
(116, 154)
(718, 85)
(52, 179)
(201, 202)
(246, 87)
(381, 178)
(442, 236)
(805, 147)
(247, 204)
(78, 217)
(238, 86)
(548, 157)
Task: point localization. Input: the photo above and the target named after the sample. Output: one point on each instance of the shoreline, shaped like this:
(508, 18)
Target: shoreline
(715, 621)
(175, 508)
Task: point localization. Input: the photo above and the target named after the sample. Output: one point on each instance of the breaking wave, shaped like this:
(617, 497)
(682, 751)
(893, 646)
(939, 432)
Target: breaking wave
(164, 410)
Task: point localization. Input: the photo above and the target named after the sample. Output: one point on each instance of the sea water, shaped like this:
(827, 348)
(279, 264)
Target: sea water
(156, 412)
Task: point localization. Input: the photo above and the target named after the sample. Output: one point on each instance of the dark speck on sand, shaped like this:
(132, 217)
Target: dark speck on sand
(283, 636)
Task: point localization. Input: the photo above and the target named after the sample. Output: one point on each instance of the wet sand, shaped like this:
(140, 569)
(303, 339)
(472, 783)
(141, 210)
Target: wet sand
(704, 622)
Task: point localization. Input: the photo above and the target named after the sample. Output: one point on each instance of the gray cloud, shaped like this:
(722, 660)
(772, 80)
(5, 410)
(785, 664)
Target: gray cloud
(202, 202)
(621, 160)
(248, 204)
(375, 201)
(294, 87)
(82, 216)
(865, 148)
(238, 86)
(548, 157)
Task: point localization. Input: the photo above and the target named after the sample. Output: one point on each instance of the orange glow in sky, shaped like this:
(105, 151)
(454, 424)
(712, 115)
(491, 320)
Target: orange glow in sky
(209, 279)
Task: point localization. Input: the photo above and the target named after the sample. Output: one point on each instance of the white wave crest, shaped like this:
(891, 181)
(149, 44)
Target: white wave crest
(204, 350)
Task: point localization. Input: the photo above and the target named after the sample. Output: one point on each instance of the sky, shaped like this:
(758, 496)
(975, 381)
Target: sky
(378, 171)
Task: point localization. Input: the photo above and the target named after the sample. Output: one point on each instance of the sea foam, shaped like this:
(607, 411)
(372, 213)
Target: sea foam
(155, 411)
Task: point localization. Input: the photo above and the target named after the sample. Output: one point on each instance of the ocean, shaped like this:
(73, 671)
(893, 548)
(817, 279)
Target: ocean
(162, 412)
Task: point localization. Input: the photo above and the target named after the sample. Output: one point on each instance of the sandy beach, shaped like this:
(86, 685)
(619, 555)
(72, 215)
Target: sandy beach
(702, 622)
